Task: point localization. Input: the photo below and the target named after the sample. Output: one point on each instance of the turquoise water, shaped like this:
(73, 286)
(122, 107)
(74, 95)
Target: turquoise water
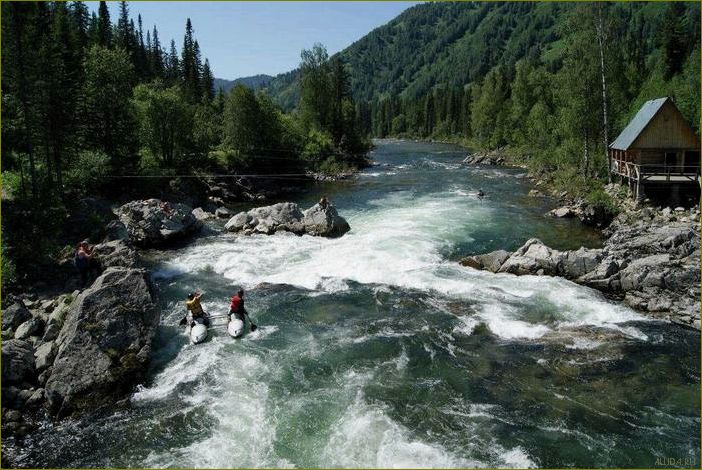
(378, 350)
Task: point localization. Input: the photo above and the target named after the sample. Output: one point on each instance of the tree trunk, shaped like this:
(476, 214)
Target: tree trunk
(586, 156)
(601, 41)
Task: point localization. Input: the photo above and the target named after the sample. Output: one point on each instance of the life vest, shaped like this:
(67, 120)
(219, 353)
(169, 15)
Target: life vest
(237, 304)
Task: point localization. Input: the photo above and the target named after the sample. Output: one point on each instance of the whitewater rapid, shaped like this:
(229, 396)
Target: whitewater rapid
(379, 350)
(396, 242)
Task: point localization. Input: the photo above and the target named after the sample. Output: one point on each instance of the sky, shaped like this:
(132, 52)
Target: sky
(241, 39)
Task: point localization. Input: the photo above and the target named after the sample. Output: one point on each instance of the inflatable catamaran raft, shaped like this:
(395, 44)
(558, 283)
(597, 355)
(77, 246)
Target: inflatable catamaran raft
(198, 330)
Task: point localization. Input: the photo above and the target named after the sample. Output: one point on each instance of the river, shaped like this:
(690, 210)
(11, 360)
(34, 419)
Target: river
(378, 350)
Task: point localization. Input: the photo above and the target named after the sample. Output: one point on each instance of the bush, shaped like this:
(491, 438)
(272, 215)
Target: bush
(9, 270)
(231, 159)
(332, 166)
(603, 202)
(11, 184)
(318, 148)
(88, 171)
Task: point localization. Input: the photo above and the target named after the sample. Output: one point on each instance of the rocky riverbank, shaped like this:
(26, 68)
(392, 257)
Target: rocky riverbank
(650, 260)
(81, 350)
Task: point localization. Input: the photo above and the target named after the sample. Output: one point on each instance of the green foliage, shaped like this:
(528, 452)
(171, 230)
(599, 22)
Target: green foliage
(602, 202)
(87, 171)
(318, 147)
(9, 268)
(333, 166)
(109, 125)
(165, 121)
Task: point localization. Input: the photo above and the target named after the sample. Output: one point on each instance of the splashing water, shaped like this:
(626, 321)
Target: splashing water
(378, 350)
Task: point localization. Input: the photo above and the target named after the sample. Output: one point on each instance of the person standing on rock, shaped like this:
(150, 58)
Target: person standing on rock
(195, 308)
(83, 261)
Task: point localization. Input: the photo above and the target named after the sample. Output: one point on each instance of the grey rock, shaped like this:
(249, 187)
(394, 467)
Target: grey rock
(287, 217)
(577, 263)
(44, 356)
(44, 376)
(14, 315)
(31, 327)
(563, 212)
(223, 213)
(17, 361)
(104, 345)
(153, 222)
(533, 258)
(36, 399)
(200, 214)
(12, 415)
(116, 230)
(471, 262)
(493, 261)
(116, 253)
(51, 332)
(324, 221)
(239, 222)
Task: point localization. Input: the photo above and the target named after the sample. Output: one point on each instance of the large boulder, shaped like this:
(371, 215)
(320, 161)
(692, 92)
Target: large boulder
(116, 230)
(14, 315)
(287, 217)
(44, 355)
(17, 361)
(153, 222)
(324, 221)
(32, 327)
(533, 258)
(579, 262)
(104, 346)
(491, 261)
(116, 253)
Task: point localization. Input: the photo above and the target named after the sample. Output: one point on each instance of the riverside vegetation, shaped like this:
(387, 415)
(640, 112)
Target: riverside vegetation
(97, 102)
(86, 100)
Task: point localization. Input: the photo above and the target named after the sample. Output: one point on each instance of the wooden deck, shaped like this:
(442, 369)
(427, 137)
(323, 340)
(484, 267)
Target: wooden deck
(636, 175)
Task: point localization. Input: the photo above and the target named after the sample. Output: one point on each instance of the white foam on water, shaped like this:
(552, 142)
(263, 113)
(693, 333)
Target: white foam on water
(584, 343)
(398, 241)
(366, 437)
(191, 364)
(239, 402)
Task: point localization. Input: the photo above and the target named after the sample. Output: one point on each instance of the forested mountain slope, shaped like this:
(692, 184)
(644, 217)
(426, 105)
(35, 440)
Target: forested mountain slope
(526, 75)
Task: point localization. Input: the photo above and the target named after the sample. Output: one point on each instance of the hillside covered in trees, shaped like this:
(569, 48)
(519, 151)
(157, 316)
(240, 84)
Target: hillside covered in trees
(529, 76)
(88, 100)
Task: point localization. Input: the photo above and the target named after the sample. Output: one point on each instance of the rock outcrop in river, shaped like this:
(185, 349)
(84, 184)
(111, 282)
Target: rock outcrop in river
(651, 259)
(80, 350)
(153, 222)
(105, 341)
(318, 220)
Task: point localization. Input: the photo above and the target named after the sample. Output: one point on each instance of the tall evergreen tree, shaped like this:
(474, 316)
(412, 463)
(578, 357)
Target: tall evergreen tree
(104, 27)
(207, 82)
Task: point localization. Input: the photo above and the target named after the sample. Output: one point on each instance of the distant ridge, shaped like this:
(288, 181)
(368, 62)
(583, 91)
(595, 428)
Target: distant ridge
(254, 82)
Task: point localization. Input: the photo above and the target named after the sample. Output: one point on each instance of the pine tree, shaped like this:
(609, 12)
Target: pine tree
(674, 39)
(80, 18)
(104, 29)
(207, 82)
(122, 31)
(156, 54)
(173, 68)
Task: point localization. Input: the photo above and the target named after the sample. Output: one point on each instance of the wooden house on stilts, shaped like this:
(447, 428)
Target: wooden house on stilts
(658, 151)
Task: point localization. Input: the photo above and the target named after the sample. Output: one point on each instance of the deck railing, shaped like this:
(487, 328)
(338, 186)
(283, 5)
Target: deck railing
(657, 172)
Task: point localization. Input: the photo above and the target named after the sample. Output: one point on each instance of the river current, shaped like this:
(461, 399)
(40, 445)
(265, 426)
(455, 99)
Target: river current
(377, 349)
